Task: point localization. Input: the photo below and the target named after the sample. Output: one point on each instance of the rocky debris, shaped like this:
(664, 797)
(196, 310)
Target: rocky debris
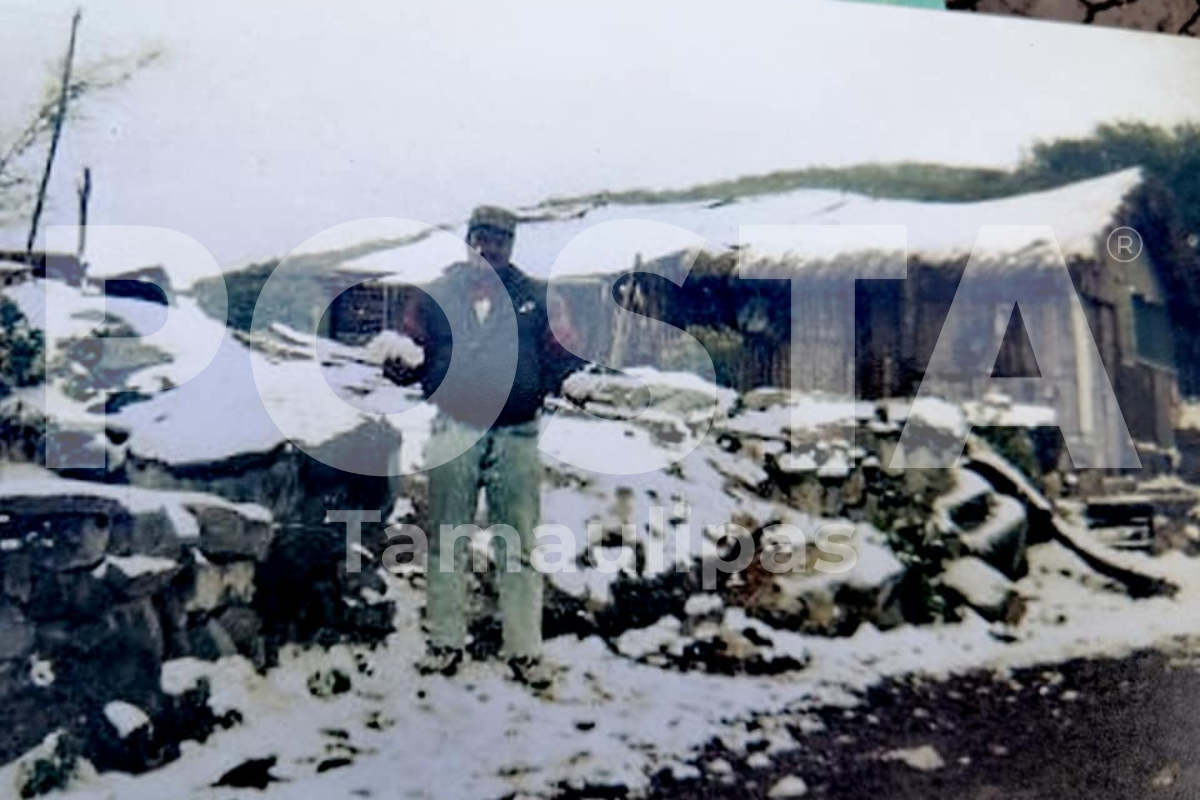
(982, 459)
(985, 589)
(214, 586)
(1001, 538)
(704, 606)
(1154, 516)
(231, 533)
(823, 466)
(676, 394)
(123, 737)
(925, 758)
(182, 716)
(984, 523)
(818, 594)
(719, 766)
(328, 682)
(730, 644)
(254, 773)
(683, 772)
(137, 575)
(125, 718)
(1138, 575)
(791, 786)
(659, 639)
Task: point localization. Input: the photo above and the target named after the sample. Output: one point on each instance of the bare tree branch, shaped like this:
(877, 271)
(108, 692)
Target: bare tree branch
(16, 185)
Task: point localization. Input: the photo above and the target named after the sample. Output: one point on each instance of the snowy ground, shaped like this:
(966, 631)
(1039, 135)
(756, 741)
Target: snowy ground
(612, 721)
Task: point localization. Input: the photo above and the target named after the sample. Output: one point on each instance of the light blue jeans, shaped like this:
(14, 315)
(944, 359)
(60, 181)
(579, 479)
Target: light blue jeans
(505, 462)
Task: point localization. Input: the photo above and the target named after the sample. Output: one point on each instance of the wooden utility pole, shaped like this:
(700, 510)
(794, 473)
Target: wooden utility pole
(85, 194)
(59, 118)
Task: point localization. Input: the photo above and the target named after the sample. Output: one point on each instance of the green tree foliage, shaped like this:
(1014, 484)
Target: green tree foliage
(51, 771)
(21, 347)
(1168, 155)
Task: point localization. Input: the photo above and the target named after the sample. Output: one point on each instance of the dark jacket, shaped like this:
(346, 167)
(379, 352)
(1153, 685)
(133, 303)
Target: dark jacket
(541, 361)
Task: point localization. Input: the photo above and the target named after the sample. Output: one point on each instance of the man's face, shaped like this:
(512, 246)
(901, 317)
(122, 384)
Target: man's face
(493, 244)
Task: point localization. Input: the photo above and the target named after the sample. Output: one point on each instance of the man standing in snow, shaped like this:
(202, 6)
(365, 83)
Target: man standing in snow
(503, 459)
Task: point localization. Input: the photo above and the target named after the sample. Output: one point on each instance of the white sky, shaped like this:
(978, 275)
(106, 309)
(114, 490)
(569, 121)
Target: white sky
(262, 127)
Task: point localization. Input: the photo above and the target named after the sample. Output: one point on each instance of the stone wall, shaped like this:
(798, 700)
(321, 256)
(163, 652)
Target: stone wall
(103, 583)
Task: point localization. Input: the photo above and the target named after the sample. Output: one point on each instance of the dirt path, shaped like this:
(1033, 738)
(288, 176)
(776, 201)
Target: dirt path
(1123, 729)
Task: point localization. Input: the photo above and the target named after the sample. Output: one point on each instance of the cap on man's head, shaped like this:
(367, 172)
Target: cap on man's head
(493, 217)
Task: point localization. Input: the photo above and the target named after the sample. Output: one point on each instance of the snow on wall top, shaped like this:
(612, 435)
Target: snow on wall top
(1079, 215)
(216, 410)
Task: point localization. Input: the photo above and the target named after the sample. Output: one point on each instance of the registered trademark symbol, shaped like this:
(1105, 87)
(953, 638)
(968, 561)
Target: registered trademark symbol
(1124, 244)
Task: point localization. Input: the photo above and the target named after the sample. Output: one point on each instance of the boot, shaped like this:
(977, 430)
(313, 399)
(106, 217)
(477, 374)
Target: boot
(533, 672)
(440, 660)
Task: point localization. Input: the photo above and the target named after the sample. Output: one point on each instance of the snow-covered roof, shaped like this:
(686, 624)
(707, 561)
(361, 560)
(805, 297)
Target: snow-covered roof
(1080, 215)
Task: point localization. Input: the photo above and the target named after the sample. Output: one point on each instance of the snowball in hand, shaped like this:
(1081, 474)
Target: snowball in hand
(395, 346)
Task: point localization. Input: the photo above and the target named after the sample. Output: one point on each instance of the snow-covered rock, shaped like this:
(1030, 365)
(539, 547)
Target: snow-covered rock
(825, 599)
(640, 643)
(704, 605)
(984, 588)
(791, 786)
(1000, 539)
(125, 717)
(216, 585)
(137, 575)
(924, 758)
(677, 394)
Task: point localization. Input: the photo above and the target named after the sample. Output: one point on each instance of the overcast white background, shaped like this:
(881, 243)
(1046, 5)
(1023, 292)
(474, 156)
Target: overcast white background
(266, 123)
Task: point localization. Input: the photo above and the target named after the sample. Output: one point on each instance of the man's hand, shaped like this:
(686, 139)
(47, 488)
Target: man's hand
(402, 359)
(401, 374)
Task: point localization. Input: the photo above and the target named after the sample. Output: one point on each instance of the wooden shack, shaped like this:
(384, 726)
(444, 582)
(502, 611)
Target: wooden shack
(1131, 307)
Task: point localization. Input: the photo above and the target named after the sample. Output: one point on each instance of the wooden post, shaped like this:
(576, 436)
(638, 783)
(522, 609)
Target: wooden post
(59, 118)
(620, 340)
(85, 194)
